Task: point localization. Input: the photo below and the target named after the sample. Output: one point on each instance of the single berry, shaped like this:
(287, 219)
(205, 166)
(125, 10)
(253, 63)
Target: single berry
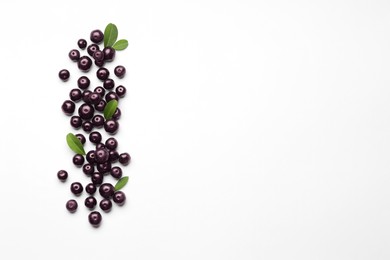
(87, 126)
(76, 188)
(95, 137)
(101, 155)
(90, 202)
(68, 107)
(91, 157)
(76, 121)
(74, 55)
(102, 73)
(78, 160)
(96, 36)
(100, 91)
(111, 126)
(88, 169)
(111, 143)
(98, 121)
(86, 111)
(105, 205)
(124, 158)
(62, 175)
(100, 107)
(114, 156)
(90, 188)
(110, 96)
(119, 198)
(106, 190)
(92, 48)
(64, 74)
(81, 137)
(86, 95)
(95, 218)
(84, 63)
(120, 91)
(97, 178)
(98, 56)
(116, 172)
(109, 84)
(83, 82)
(104, 167)
(120, 71)
(100, 146)
(109, 53)
(117, 114)
(71, 206)
(95, 98)
(82, 44)
(75, 95)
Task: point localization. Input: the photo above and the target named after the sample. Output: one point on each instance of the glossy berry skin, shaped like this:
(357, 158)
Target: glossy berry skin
(84, 63)
(95, 137)
(101, 155)
(82, 44)
(109, 54)
(75, 95)
(74, 55)
(92, 48)
(100, 146)
(95, 218)
(83, 82)
(78, 160)
(91, 157)
(87, 126)
(117, 114)
(111, 143)
(94, 98)
(106, 190)
(111, 126)
(68, 107)
(90, 188)
(100, 107)
(105, 205)
(100, 90)
(86, 111)
(97, 178)
(90, 202)
(104, 167)
(81, 137)
(116, 172)
(76, 188)
(109, 84)
(62, 175)
(120, 71)
(98, 56)
(114, 156)
(102, 73)
(124, 158)
(98, 121)
(120, 91)
(88, 169)
(76, 121)
(100, 63)
(86, 94)
(71, 206)
(96, 36)
(64, 74)
(119, 198)
(110, 96)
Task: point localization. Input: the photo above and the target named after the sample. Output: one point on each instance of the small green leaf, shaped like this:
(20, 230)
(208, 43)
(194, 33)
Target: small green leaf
(121, 183)
(120, 45)
(110, 109)
(75, 144)
(110, 35)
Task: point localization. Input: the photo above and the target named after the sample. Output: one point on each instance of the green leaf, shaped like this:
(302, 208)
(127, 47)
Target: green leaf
(110, 109)
(110, 35)
(121, 183)
(75, 144)
(120, 45)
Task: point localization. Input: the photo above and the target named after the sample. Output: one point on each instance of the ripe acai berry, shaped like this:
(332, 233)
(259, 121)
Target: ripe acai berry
(120, 91)
(86, 111)
(102, 73)
(68, 107)
(87, 126)
(62, 175)
(98, 56)
(76, 121)
(84, 63)
(116, 172)
(90, 188)
(101, 155)
(83, 82)
(76, 188)
(75, 95)
(119, 198)
(100, 90)
(98, 121)
(92, 48)
(109, 84)
(124, 158)
(95, 137)
(74, 55)
(110, 96)
(100, 107)
(78, 160)
(120, 71)
(82, 44)
(96, 36)
(88, 169)
(95, 218)
(90, 202)
(91, 157)
(64, 74)
(111, 143)
(97, 178)
(105, 205)
(111, 126)
(109, 54)
(104, 167)
(81, 137)
(114, 156)
(71, 206)
(106, 190)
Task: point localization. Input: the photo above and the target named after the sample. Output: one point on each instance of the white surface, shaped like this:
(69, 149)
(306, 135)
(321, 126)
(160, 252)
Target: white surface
(258, 130)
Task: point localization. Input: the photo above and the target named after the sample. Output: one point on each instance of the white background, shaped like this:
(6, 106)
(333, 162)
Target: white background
(257, 129)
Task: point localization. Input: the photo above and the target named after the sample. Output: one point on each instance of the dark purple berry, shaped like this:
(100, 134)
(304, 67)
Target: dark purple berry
(83, 82)
(86, 111)
(88, 169)
(71, 206)
(100, 146)
(91, 157)
(101, 155)
(76, 188)
(86, 94)
(104, 167)
(90, 188)
(100, 107)
(95, 98)
(102, 73)
(106, 190)
(87, 126)
(120, 71)
(98, 56)
(68, 107)
(75, 95)
(111, 126)
(62, 175)
(81, 137)
(90, 202)
(111, 143)
(110, 96)
(64, 74)
(105, 205)
(98, 121)
(95, 137)
(74, 55)
(82, 44)
(117, 114)
(95, 218)
(120, 91)
(96, 36)
(119, 198)
(78, 160)
(76, 121)
(109, 53)
(114, 156)
(97, 178)
(124, 158)
(109, 84)
(99, 63)
(101, 91)
(92, 48)
(84, 63)
(116, 172)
